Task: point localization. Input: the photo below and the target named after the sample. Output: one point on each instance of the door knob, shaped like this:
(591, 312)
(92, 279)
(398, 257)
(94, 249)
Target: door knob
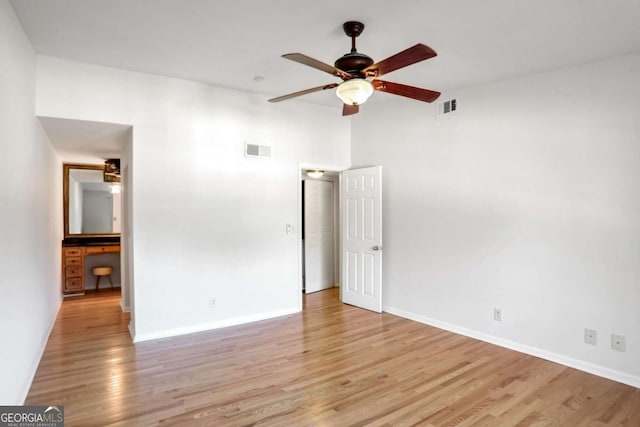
(377, 248)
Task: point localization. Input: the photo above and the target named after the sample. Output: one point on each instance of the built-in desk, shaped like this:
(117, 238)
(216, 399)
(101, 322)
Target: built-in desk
(73, 264)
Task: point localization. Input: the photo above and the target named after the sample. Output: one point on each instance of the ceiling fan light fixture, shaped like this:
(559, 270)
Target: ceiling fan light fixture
(315, 173)
(354, 91)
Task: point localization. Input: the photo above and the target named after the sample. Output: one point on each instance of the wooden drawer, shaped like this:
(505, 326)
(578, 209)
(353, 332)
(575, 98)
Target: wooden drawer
(74, 284)
(110, 249)
(73, 261)
(72, 252)
(73, 271)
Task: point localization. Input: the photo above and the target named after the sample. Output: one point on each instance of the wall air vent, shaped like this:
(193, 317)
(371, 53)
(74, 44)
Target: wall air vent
(447, 107)
(258, 151)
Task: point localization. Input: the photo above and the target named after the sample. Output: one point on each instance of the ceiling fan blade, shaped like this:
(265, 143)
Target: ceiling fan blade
(303, 92)
(348, 109)
(318, 65)
(420, 94)
(414, 54)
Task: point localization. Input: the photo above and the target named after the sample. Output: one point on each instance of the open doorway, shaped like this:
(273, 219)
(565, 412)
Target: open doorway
(357, 227)
(95, 207)
(320, 266)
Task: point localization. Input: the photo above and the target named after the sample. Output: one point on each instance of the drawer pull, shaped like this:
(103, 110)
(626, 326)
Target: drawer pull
(103, 249)
(73, 272)
(73, 284)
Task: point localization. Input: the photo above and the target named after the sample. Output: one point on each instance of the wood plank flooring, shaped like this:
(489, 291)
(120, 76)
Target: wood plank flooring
(332, 365)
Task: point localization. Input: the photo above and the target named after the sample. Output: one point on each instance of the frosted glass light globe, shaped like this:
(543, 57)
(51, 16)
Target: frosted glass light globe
(354, 91)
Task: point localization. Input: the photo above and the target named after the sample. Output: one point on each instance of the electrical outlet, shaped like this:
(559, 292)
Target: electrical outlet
(590, 336)
(618, 342)
(497, 315)
(212, 302)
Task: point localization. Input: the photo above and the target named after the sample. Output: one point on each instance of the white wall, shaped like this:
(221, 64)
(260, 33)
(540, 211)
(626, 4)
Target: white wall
(30, 217)
(206, 222)
(116, 221)
(75, 206)
(126, 240)
(526, 199)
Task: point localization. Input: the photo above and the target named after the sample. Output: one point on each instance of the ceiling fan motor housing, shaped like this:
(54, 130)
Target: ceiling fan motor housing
(353, 63)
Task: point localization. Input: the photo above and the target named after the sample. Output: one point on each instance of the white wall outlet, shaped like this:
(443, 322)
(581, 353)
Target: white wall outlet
(497, 314)
(212, 302)
(289, 228)
(618, 342)
(590, 336)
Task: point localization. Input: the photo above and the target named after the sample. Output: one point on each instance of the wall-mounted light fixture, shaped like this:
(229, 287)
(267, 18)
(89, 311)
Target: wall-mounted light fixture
(315, 173)
(112, 170)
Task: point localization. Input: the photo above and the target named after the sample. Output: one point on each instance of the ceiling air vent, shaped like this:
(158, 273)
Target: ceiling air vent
(447, 107)
(255, 150)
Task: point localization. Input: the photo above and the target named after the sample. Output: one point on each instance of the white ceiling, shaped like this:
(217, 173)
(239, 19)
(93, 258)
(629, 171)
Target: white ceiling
(229, 42)
(80, 141)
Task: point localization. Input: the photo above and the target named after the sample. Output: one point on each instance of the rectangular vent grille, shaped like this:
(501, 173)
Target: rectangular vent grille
(255, 150)
(447, 107)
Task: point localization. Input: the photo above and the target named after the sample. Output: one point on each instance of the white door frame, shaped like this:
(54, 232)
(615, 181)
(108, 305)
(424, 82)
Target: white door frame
(330, 168)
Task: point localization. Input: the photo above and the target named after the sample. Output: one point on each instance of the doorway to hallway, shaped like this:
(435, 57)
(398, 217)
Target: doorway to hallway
(318, 234)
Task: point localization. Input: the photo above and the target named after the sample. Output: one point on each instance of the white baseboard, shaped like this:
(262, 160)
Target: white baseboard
(124, 308)
(212, 325)
(43, 346)
(131, 331)
(581, 365)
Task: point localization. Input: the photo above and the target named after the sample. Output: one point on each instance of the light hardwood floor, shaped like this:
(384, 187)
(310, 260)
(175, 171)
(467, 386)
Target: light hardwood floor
(332, 365)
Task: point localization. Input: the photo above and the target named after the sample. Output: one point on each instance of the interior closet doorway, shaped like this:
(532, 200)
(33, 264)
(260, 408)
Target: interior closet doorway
(320, 229)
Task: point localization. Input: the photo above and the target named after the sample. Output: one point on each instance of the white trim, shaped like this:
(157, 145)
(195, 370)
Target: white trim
(581, 365)
(330, 168)
(126, 309)
(42, 349)
(212, 325)
(77, 294)
(131, 332)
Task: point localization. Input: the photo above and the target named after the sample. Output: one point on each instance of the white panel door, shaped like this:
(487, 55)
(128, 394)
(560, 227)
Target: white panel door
(318, 235)
(362, 238)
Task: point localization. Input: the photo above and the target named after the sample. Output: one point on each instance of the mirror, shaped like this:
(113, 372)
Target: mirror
(90, 207)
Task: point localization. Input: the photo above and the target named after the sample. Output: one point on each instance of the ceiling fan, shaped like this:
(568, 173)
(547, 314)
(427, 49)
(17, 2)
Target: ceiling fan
(360, 74)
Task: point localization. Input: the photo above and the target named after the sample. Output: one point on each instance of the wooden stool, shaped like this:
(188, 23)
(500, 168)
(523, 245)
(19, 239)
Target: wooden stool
(102, 271)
